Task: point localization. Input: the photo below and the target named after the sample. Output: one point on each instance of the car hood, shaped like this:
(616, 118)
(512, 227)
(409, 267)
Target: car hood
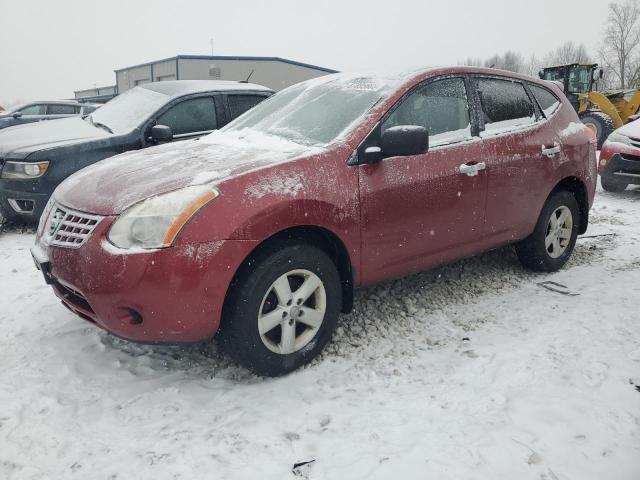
(115, 184)
(630, 129)
(20, 141)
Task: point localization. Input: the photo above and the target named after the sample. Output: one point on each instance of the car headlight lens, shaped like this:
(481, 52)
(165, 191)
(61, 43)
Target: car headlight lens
(24, 170)
(156, 222)
(619, 138)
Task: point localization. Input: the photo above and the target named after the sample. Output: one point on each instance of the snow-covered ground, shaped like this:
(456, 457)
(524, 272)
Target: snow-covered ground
(470, 371)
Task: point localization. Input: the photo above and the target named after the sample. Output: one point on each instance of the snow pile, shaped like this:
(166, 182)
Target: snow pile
(468, 371)
(572, 129)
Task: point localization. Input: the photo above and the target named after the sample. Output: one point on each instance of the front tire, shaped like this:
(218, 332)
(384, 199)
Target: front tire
(600, 123)
(550, 245)
(613, 186)
(282, 309)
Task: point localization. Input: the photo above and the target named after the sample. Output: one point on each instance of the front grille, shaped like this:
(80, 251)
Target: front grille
(69, 228)
(633, 158)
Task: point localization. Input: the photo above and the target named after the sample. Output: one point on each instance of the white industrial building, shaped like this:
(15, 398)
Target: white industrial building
(273, 72)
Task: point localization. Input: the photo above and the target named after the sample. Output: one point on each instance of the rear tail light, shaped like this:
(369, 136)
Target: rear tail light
(592, 137)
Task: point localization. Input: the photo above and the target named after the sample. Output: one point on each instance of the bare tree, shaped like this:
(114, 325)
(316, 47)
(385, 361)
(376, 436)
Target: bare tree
(566, 54)
(620, 47)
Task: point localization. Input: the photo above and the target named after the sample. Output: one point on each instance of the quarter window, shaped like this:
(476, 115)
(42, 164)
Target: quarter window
(238, 104)
(548, 101)
(441, 107)
(505, 105)
(195, 115)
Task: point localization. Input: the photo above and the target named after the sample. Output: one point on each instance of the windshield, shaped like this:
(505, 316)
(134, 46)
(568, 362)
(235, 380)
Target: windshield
(580, 80)
(315, 112)
(128, 110)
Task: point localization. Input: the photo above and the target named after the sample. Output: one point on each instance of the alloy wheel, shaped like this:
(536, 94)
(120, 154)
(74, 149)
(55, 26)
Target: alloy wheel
(559, 230)
(292, 311)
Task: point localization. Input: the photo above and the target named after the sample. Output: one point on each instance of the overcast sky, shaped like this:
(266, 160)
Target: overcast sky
(49, 48)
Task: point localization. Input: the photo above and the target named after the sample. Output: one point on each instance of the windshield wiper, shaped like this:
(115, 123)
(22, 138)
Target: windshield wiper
(101, 125)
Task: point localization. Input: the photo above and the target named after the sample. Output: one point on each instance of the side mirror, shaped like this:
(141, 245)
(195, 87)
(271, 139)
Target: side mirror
(17, 115)
(161, 134)
(404, 140)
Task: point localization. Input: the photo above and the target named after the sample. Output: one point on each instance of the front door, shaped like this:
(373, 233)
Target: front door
(421, 210)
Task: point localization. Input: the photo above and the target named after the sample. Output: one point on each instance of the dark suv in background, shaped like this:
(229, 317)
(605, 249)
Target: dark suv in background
(35, 158)
(38, 111)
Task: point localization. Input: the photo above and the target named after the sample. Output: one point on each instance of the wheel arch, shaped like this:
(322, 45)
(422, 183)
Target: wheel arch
(317, 236)
(578, 189)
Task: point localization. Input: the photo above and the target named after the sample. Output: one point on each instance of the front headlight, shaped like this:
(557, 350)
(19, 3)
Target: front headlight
(24, 170)
(616, 137)
(156, 222)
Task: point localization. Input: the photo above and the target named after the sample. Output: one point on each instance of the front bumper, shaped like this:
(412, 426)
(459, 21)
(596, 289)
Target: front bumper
(23, 200)
(171, 295)
(621, 167)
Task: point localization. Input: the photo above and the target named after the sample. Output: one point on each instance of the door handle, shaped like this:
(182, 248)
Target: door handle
(551, 152)
(472, 169)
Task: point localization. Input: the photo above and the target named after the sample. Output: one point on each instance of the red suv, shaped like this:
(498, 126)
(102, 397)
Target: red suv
(261, 231)
(619, 164)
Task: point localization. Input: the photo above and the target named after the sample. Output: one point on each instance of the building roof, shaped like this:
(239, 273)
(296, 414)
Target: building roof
(176, 88)
(219, 57)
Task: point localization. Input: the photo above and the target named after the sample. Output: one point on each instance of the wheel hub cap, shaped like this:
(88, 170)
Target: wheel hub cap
(559, 232)
(292, 311)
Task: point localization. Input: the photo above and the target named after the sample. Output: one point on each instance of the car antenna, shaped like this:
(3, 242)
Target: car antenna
(247, 80)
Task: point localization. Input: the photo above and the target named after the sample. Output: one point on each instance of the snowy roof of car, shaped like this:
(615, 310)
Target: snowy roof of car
(175, 88)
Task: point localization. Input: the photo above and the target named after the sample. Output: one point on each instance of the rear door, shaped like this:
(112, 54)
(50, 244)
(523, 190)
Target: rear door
(57, 110)
(521, 151)
(420, 210)
(238, 103)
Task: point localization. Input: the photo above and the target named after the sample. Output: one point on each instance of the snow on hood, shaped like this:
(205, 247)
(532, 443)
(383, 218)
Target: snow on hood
(631, 129)
(115, 184)
(22, 140)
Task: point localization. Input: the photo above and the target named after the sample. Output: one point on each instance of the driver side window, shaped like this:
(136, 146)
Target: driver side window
(440, 106)
(32, 110)
(194, 115)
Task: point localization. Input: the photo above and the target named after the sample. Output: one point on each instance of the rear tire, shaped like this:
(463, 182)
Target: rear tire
(600, 123)
(611, 185)
(273, 324)
(550, 245)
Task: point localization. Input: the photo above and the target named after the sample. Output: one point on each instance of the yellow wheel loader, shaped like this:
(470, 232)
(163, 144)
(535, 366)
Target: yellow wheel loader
(603, 111)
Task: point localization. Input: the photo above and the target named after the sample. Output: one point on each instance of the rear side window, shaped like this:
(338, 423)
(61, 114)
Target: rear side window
(548, 102)
(441, 107)
(238, 104)
(194, 115)
(505, 105)
(61, 109)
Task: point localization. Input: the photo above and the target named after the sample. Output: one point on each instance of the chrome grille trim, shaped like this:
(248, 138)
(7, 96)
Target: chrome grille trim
(69, 228)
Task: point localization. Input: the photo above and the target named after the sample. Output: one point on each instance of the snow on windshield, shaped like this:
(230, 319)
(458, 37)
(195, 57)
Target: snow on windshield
(315, 112)
(128, 110)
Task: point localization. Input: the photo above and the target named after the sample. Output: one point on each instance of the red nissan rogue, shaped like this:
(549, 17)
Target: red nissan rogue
(260, 232)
